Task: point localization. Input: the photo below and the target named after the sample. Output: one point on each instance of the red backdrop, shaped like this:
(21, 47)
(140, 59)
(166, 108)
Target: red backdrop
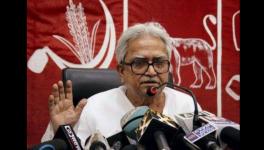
(104, 22)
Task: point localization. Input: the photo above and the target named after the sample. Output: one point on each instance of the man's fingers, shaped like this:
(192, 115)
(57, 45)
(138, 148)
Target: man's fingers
(61, 105)
(51, 105)
(80, 106)
(69, 90)
(51, 102)
(55, 93)
(61, 91)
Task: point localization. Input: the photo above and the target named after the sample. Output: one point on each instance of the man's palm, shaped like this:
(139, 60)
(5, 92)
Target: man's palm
(61, 108)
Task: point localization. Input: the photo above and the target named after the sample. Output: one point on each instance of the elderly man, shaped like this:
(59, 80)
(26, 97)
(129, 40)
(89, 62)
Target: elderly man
(143, 56)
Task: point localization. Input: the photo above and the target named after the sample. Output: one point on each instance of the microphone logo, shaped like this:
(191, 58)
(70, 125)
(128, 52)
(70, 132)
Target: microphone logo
(72, 137)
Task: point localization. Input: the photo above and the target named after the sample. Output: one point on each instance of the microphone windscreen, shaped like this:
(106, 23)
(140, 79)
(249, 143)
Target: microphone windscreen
(96, 141)
(131, 120)
(118, 140)
(55, 144)
(151, 91)
(98, 145)
(230, 136)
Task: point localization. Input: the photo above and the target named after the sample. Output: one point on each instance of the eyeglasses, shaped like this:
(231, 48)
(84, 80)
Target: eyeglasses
(139, 66)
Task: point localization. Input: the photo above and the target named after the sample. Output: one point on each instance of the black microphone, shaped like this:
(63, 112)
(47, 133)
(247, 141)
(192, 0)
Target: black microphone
(66, 133)
(130, 147)
(134, 147)
(55, 144)
(225, 127)
(219, 123)
(118, 140)
(157, 127)
(130, 122)
(161, 140)
(230, 136)
(203, 138)
(151, 91)
(96, 142)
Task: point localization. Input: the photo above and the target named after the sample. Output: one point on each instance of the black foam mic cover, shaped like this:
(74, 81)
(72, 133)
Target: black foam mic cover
(231, 136)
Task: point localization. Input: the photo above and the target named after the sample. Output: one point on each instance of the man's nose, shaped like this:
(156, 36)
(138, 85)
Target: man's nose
(151, 71)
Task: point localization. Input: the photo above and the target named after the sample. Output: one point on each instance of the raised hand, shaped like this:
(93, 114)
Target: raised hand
(61, 108)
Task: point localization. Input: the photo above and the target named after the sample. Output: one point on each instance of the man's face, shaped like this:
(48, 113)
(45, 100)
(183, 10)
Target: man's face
(144, 48)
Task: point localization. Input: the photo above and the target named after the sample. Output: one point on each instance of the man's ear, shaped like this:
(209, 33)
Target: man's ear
(120, 70)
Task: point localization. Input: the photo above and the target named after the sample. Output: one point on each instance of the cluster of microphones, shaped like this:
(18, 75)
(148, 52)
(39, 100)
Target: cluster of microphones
(146, 129)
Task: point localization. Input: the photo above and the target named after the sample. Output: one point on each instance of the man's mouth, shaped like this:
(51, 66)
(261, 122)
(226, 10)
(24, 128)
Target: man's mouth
(150, 83)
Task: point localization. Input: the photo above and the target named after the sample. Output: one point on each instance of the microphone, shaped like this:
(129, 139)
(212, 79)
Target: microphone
(96, 142)
(130, 147)
(55, 144)
(118, 140)
(185, 120)
(134, 147)
(66, 133)
(202, 138)
(230, 136)
(207, 118)
(157, 127)
(151, 91)
(130, 121)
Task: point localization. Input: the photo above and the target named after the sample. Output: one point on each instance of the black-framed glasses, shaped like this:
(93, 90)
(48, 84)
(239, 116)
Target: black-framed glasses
(140, 67)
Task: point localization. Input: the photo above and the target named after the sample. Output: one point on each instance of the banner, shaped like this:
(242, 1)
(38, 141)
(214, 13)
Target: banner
(83, 34)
